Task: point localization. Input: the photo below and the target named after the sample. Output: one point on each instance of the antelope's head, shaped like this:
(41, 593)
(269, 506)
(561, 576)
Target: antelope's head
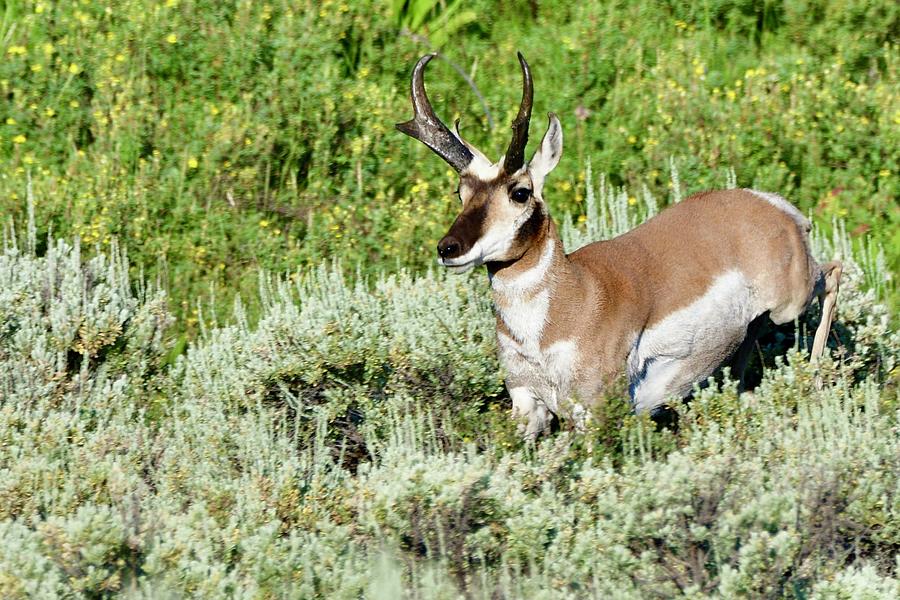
(503, 210)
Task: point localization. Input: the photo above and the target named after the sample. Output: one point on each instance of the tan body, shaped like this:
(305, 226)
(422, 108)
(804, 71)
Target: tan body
(666, 303)
(611, 303)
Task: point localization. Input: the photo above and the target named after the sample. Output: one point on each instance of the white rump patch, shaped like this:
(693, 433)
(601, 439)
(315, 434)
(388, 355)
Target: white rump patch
(688, 345)
(783, 205)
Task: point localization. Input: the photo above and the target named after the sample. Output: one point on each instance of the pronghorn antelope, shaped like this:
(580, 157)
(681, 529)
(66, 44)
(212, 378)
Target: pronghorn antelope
(668, 302)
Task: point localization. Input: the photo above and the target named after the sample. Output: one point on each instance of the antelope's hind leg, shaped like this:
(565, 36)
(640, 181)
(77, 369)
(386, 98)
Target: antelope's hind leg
(831, 283)
(741, 356)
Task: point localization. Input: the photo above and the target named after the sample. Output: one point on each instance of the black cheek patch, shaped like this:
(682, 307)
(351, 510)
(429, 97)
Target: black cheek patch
(531, 227)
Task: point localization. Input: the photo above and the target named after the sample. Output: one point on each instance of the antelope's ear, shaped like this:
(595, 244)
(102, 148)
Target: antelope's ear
(547, 156)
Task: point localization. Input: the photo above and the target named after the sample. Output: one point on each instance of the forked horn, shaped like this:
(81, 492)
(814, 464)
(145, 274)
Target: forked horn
(515, 154)
(426, 127)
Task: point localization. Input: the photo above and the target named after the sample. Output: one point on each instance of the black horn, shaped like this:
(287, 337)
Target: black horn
(515, 154)
(428, 129)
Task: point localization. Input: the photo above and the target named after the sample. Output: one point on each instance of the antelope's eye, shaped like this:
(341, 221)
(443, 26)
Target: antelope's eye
(521, 195)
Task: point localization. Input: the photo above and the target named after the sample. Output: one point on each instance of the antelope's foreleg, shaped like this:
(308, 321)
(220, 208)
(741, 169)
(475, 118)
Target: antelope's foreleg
(527, 406)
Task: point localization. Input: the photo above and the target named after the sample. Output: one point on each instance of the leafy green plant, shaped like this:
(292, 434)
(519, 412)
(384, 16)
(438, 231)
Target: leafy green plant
(438, 21)
(211, 142)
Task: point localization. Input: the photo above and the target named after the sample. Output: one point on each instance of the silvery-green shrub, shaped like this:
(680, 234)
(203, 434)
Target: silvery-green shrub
(354, 443)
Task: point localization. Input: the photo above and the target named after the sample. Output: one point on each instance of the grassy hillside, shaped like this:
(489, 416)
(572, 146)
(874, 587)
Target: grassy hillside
(217, 138)
(227, 370)
(357, 443)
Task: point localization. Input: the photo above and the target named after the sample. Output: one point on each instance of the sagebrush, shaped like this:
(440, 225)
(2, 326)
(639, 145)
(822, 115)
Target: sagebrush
(356, 443)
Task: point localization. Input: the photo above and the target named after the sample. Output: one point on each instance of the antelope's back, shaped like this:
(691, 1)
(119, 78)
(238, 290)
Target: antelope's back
(677, 255)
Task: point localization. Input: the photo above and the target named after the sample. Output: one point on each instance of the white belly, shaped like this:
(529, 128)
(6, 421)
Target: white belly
(683, 349)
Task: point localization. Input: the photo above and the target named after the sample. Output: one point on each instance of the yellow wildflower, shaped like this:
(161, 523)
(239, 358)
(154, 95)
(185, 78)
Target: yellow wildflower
(74, 69)
(19, 139)
(192, 163)
(10, 121)
(172, 38)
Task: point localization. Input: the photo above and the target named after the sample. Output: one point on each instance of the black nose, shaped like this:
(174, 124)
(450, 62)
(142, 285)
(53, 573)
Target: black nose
(448, 247)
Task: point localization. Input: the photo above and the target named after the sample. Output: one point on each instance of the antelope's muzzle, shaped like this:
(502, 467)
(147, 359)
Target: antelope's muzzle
(455, 248)
(449, 247)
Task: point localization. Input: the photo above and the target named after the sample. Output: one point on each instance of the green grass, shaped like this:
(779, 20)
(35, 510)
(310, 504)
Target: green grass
(216, 139)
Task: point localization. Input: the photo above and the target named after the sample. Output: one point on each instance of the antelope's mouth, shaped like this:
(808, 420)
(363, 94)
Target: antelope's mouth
(464, 262)
(458, 265)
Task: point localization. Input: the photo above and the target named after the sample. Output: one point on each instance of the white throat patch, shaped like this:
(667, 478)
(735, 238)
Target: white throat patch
(527, 281)
(525, 319)
(525, 306)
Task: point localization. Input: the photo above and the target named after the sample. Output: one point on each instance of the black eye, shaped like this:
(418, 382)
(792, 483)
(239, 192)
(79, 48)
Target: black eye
(521, 195)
